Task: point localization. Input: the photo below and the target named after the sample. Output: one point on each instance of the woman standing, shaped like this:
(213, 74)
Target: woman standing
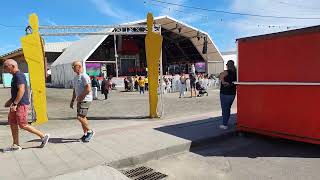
(125, 81)
(227, 91)
(136, 83)
(182, 83)
(105, 88)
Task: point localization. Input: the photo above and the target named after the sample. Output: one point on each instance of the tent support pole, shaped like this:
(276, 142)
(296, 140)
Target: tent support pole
(116, 54)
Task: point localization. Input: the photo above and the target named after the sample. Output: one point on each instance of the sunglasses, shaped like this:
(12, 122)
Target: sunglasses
(76, 66)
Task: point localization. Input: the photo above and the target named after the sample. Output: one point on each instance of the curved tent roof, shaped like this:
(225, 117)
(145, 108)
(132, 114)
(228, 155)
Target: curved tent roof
(192, 33)
(83, 48)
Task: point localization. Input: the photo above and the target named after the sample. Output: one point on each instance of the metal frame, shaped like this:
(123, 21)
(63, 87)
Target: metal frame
(106, 62)
(83, 30)
(280, 83)
(102, 30)
(116, 54)
(96, 30)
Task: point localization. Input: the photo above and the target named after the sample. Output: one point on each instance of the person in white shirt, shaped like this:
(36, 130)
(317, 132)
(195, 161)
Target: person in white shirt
(168, 85)
(83, 94)
(183, 81)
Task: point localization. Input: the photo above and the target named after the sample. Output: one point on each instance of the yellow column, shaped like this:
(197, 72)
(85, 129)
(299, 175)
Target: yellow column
(153, 43)
(33, 51)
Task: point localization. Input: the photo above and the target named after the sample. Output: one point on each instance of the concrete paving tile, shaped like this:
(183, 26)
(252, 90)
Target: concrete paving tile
(51, 160)
(9, 167)
(73, 160)
(30, 164)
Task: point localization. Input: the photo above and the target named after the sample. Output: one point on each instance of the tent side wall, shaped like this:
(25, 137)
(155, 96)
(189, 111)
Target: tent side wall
(215, 67)
(62, 75)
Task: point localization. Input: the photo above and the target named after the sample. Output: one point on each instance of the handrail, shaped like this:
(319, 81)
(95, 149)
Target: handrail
(280, 83)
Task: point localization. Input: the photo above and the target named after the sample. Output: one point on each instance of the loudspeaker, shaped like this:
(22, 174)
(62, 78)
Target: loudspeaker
(205, 45)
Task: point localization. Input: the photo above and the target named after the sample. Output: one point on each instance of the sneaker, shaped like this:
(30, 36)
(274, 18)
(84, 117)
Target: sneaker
(223, 127)
(83, 137)
(89, 136)
(45, 140)
(14, 147)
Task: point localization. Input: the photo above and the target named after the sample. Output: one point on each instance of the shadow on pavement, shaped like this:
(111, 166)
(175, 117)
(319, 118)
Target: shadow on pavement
(4, 123)
(200, 131)
(33, 147)
(58, 140)
(254, 145)
(106, 118)
(209, 140)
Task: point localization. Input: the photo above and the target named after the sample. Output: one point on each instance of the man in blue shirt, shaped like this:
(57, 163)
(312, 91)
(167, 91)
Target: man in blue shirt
(19, 104)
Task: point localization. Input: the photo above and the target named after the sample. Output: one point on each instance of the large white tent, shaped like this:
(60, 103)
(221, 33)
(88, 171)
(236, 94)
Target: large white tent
(81, 50)
(61, 70)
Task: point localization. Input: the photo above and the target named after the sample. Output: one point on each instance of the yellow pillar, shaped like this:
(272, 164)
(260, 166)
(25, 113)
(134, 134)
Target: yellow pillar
(153, 43)
(33, 51)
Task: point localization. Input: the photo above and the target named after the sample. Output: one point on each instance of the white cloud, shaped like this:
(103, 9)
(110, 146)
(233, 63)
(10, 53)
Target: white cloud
(105, 8)
(244, 26)
(8, 48)
(248, 26)
(51, 22)
(171, 10)
(55, 39)
(192, 18)
(111, 10)
(184, 14)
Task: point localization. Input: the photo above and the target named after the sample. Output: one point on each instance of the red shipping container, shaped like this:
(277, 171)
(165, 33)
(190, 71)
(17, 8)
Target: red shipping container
(279, 84)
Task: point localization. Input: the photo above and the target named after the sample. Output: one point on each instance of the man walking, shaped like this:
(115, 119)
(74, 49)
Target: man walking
(19, 103)
(83, 94)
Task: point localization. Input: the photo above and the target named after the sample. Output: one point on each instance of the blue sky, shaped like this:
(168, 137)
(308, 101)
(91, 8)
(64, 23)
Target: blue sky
(223, 28)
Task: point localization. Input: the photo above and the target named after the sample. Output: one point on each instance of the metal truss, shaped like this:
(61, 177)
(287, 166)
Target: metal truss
(96, 30)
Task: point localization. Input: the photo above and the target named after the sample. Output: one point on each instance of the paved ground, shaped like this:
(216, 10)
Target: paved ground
(121, 110)
(244, 158)
(101, 172)
(124, 136)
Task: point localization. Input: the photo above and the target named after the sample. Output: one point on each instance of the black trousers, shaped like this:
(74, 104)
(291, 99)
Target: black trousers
(105, 92)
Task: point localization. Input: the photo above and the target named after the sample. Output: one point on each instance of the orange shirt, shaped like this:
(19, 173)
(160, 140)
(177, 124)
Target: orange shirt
(141, 82)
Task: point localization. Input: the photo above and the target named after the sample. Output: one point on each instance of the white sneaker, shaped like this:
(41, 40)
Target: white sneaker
(45, 140)
(223, 127)
(14, 147)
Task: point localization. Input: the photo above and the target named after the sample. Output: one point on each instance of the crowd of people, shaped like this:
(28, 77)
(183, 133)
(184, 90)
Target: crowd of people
(197, 84)
(105, 86)
(136, 83)
(85, 90)
(176, 83)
